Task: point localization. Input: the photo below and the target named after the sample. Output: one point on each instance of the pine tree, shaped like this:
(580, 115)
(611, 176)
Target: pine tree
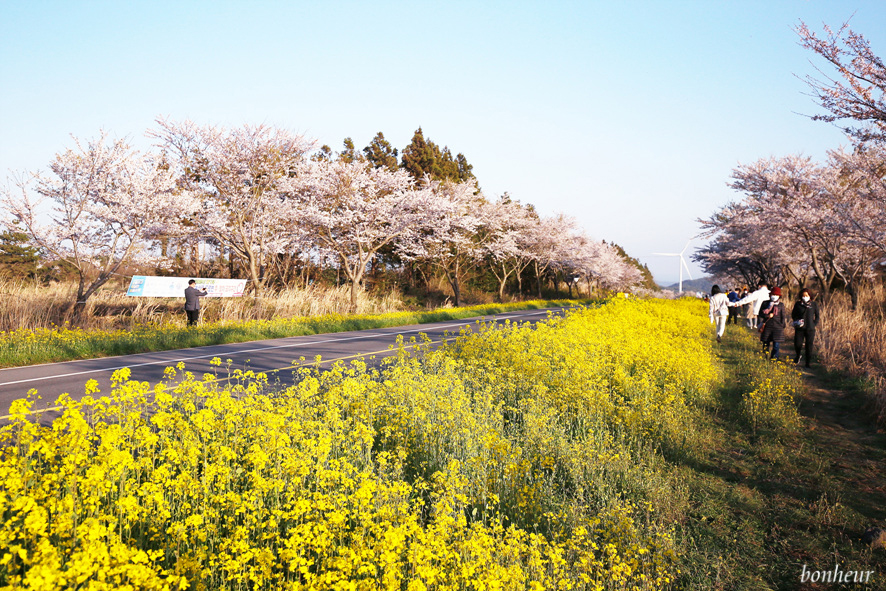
(447, 165)
(648, 280)
(349, 153)
(381, 153)
(419, 157)
(17, 258)
(323, 155)
(464, 169)
(423, 157)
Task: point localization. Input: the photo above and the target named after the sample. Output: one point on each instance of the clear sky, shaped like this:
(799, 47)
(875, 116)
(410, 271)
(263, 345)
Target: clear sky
(627, 115)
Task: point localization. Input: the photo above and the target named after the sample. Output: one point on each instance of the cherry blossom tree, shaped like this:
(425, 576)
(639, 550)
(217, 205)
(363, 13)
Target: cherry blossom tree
(237, 177)
(859, 247)
(456, 231)
(96, 208)
(547, 242)
(788, 202)
(597, 263)
(613, 270)
(862, 173)
(508, 227)
(861, 95)
(799, 217)
(353, 210)
(741, 249)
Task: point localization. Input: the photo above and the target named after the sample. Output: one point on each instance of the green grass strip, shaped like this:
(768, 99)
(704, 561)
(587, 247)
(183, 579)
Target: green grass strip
(767, 498)
(29, 347)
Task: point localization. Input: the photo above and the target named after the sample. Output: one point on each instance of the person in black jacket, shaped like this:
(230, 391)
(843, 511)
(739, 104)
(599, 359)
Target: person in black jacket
(192, 302)
(773, 327)
(805, 317)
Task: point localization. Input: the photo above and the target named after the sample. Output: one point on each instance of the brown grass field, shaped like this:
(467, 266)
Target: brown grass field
(854, 341)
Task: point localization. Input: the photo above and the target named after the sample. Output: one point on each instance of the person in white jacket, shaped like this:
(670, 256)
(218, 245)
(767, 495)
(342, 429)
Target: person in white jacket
(755, 298)
(719, 310)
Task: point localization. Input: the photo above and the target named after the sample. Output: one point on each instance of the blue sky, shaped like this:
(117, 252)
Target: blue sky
(628, 115)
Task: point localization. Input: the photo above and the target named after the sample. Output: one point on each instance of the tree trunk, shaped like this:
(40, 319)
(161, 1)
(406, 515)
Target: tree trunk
(356, 277)
(78, 307)
(538, 279)
(823, 280)
(354, 286)
(425, 279)
(452, 277)
(502, 282)
(853, 294)
(456, 284)
(256, 277)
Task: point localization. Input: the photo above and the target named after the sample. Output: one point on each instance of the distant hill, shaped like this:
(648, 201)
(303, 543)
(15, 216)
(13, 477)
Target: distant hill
(703, 285)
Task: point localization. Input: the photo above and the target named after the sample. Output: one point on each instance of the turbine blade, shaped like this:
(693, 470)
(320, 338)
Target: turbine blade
(685, 247)
(682, 260)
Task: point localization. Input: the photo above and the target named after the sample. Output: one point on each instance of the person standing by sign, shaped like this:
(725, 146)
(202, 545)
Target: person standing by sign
(192, 302)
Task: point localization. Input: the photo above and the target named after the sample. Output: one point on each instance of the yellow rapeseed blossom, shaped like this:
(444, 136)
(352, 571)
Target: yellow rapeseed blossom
(514, 457)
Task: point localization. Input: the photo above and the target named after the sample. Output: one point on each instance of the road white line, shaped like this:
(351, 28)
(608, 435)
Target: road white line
(174, 361)
(296, 366)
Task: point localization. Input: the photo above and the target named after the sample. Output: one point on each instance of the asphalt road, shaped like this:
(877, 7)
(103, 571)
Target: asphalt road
(275, 356)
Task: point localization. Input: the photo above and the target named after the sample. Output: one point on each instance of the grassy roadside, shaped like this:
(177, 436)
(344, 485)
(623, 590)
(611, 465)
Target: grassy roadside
(767, 499)
(28, 347)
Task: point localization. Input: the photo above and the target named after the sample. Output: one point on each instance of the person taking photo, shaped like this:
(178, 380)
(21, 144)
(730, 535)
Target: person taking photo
(192, 302)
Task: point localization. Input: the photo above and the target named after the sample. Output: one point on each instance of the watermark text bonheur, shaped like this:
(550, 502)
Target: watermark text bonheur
(835, 576)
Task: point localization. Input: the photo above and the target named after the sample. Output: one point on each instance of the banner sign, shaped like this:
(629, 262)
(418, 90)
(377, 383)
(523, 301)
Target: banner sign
(174, 287)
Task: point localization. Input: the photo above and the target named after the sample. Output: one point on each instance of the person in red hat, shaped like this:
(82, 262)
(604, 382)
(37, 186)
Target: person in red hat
(772, 330)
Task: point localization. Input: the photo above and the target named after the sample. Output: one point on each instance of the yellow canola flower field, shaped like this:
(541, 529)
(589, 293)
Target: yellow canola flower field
(513, 457)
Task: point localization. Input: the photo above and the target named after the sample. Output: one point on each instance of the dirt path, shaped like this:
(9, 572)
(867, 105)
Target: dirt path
(842, 424)
(773, 504)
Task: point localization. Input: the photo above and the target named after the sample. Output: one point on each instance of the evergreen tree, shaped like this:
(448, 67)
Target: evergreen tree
(349, 153)
(648, 280)
(323, 155)
(447, 165)
(464, 169)
(423, 157)
(381, 153)
(419, 157)
(17, 258)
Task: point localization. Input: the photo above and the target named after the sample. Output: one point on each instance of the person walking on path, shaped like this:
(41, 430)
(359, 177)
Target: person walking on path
(755, 299)
(746, 309)
(805, 319)
(192, 302)
(719, 310)
(773, 325)
(733, 310)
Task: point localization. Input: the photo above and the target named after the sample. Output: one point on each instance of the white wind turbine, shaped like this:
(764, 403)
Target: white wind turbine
(681, 265)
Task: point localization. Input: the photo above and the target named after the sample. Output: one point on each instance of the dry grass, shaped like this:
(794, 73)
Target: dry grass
(32, 305)
(854, 341)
